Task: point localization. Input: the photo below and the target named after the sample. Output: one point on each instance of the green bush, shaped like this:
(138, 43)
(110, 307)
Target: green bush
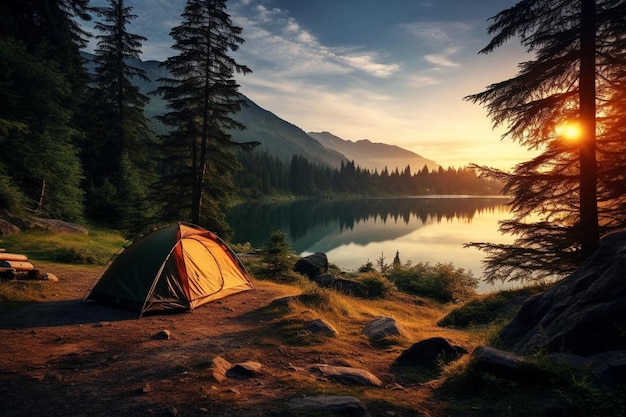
(376, 286)
(442, 282)
(367, 267)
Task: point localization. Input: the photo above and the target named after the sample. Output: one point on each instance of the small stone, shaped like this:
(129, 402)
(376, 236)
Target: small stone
(48, 277)
(329, 404)
(245, 369)
(163, 335)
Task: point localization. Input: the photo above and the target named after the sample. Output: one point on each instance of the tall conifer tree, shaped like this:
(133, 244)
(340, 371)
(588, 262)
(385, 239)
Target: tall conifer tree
(117, 160)
(565, 197)
(202, 94)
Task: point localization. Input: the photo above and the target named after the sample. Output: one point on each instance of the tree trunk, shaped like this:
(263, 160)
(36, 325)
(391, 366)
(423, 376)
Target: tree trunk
(589, 233)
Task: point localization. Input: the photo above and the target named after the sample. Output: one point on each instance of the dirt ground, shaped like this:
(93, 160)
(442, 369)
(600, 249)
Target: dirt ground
(64, 357)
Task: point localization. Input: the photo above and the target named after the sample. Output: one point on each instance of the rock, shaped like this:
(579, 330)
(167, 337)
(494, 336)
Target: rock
(162, 335)
(506, 365)
(8, 228)
(218, 367)
(312, 265)
(334, 404)
(382, 328)
(320, 326)
(343, 285)
(430, 352)
(47, 276)
(609, 367)
(245, 370)
(582, 314)
(347, 375)
(58, 226)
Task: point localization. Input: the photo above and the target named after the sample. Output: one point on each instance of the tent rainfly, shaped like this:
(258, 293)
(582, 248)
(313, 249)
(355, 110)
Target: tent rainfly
(180, 266)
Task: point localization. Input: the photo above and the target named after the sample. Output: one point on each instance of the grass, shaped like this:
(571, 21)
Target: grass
(14, 295)
(488, 309)
(95, 248)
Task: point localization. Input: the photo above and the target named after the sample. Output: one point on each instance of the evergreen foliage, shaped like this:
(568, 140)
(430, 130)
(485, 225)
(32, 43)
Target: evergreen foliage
(202, 95)
(276, 254)
(264, 174)
(119, 171)
(41, 87)
(572, 192)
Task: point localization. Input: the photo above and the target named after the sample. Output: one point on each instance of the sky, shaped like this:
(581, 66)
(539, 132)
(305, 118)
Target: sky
(391, 71)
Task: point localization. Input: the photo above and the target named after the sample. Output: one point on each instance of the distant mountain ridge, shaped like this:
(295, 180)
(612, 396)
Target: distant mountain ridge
(277, 137)
(375, 156)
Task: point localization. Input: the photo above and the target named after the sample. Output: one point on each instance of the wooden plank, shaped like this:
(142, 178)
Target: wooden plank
(20, 266)
(13, 257)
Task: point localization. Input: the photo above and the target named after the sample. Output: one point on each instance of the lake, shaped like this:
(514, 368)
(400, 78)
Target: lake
(354, 231)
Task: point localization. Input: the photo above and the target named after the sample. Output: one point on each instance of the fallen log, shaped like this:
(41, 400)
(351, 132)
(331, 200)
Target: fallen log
(4, 256)
(18, 265)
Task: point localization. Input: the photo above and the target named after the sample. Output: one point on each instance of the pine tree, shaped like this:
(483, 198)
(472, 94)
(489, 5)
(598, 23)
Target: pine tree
(117, 159)
(201, 95)
(276, 254)
(42, 86)
(575, 77)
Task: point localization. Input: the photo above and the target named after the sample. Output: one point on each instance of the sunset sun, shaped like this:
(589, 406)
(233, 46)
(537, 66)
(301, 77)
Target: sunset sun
(569, 130)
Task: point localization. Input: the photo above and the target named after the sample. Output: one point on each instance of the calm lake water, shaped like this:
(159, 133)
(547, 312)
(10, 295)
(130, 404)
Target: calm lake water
(351, 232)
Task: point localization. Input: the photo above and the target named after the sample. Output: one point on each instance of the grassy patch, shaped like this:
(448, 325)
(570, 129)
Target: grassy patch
(489, 309)
(95, 248)
(15, 294)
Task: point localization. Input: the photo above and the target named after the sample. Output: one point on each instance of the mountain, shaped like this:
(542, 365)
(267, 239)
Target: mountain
(374, 156)
(280, 138)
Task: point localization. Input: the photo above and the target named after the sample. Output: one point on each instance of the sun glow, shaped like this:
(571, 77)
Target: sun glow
(571, 131)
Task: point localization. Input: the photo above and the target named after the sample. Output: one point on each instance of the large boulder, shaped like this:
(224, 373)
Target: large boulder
(347, 375)
(8, 228)
(58, 226)
(582, 314)
(385, 329)
(342, 285)
(507, 365)
(312, 265)
(430, 353)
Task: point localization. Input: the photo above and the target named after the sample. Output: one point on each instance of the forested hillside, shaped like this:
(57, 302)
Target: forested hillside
(111, 140)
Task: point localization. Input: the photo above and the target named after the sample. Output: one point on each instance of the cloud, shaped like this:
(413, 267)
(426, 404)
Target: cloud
(443, 59)
(421, 80)
(368, 64)
(293, 51)
(437, 33)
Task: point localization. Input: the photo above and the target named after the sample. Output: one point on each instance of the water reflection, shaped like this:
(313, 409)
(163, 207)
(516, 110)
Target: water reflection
(351, 232)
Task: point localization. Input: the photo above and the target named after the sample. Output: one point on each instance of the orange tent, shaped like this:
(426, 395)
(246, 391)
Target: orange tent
(180, 266)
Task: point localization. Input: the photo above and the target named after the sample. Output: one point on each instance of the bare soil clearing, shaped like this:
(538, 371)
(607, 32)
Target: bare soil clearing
(65, 357)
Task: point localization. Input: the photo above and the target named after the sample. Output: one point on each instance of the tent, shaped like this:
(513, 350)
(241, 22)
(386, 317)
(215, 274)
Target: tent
(179, 266)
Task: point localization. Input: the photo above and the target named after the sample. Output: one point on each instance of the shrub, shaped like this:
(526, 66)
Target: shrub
(442, 282)
(367, 267)
(376, 286)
